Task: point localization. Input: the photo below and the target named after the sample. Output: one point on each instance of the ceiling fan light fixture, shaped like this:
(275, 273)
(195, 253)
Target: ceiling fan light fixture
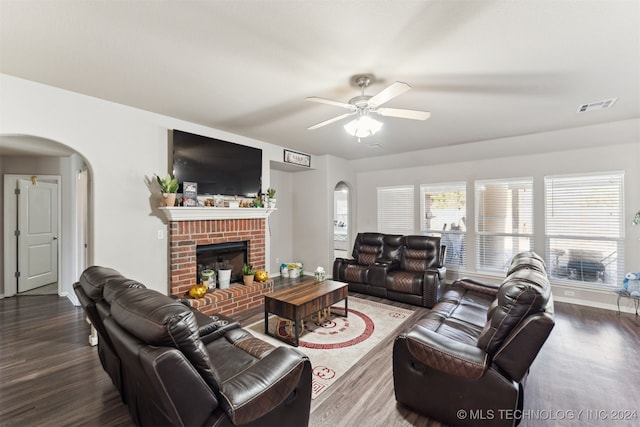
(363, 127)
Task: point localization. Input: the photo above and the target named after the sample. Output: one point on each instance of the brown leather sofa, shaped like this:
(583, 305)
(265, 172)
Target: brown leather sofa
(402, 268)
(465, 362)
(95, 298)
(180, 367)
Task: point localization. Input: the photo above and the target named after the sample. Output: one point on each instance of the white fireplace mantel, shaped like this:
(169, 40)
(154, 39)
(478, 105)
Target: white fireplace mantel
(204, 213)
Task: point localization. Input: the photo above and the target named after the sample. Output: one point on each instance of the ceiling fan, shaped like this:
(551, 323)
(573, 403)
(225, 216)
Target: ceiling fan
(364, 105)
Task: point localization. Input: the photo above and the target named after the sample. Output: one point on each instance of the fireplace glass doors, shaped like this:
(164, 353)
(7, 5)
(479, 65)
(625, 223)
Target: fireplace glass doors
(228, 255)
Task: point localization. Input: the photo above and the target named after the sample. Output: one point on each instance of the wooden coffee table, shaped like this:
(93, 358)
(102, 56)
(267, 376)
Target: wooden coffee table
(303, 300)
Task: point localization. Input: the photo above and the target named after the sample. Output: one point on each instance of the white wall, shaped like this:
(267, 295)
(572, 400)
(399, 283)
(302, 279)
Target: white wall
(123, 147)
(313, 211)
(281, 222)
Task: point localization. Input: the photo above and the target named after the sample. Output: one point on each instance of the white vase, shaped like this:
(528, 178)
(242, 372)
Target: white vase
(272, 203)
(224, 278)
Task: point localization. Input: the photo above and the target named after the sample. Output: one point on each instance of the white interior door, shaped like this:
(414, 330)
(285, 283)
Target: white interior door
(38, 234)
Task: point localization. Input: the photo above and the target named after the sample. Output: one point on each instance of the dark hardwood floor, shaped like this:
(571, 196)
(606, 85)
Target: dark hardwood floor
(50, 376)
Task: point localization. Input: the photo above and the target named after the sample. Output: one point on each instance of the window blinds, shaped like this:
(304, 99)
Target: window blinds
(504, 221)
(585, 227)
(395, 210)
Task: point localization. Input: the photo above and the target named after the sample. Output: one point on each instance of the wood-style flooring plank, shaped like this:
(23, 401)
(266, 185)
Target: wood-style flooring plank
(50, 376)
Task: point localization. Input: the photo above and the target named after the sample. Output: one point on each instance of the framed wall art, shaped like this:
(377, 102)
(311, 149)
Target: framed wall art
(296, 158)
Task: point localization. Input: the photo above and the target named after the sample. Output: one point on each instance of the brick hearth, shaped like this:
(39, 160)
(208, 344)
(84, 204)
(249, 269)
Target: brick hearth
(233, 300)
(184, 236)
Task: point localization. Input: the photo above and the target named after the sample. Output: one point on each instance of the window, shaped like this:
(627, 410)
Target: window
(395, 210)
(443, 213)
(585, 227)
(504, 221)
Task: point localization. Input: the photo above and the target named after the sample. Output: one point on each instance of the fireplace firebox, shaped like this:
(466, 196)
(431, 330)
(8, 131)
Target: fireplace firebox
(227, 255)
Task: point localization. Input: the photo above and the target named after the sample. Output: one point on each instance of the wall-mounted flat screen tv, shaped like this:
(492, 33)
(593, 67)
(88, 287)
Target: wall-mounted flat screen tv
(219, 167)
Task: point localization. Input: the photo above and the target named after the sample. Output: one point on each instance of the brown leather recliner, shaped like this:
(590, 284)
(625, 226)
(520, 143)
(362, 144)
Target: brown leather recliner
(465, 362)
(402, 268)
(420, 275)
(367, 249)
(95, 289)
(176, 378)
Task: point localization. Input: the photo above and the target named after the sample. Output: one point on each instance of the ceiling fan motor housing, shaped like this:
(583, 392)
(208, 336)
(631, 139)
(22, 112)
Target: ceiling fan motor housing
(361, 101)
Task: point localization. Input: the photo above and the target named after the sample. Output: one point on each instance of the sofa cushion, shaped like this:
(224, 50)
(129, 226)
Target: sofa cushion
(113, 285)
(368, 247)
(93, 279)
(405, 282)
(521, 294)
(420, 253)
(367, 255)
(159, 320)
(356, 273)
(460, 315)
(392, 249)
(415, 260)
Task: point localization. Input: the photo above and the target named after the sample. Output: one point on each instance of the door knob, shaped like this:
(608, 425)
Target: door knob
(55, 237)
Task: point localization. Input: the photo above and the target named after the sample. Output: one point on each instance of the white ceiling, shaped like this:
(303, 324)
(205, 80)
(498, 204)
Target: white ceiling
(484, 69)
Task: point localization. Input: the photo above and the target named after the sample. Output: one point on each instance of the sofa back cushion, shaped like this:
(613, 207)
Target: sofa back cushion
(522, 293)
(529, 260)
(113, 285)
(159, 320)
(420, 253)
(93, 279)
(368, 248)
(392, 248)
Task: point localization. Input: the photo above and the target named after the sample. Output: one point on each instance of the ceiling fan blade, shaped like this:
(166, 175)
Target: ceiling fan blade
(387, 94)
(405, 114)
(330, 102)
(327, 122)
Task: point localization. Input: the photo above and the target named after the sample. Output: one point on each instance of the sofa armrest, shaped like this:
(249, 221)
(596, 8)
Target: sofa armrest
(209, 328)
(445, 354)
(171, 375)
(216, 329)
(339, 264)
(263, 386)
(477, 286)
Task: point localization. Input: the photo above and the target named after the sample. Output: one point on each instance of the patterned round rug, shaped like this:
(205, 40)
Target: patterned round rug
(336, 343)
(334, 332)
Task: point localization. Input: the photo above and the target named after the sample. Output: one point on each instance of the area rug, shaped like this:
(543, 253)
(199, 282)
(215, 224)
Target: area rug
(337, 343)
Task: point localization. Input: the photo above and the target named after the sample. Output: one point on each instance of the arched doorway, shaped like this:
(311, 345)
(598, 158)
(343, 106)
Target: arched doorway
(341, 220)
(41, 161)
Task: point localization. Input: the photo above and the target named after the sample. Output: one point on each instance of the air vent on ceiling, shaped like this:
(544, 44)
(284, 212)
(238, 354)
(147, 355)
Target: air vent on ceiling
(597, 105)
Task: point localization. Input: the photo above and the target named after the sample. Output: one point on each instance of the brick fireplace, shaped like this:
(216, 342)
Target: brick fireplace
(190, 227)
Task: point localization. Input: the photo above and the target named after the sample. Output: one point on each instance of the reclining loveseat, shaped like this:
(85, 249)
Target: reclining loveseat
(176, 366)
(470, 355)
(403, 268)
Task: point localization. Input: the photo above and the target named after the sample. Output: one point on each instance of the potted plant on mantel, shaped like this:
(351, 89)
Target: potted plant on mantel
(271, 195)
(247, 274)
(169, 187)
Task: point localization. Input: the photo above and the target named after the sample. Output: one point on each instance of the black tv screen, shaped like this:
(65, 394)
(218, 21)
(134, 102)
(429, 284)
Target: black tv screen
(219, 167)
